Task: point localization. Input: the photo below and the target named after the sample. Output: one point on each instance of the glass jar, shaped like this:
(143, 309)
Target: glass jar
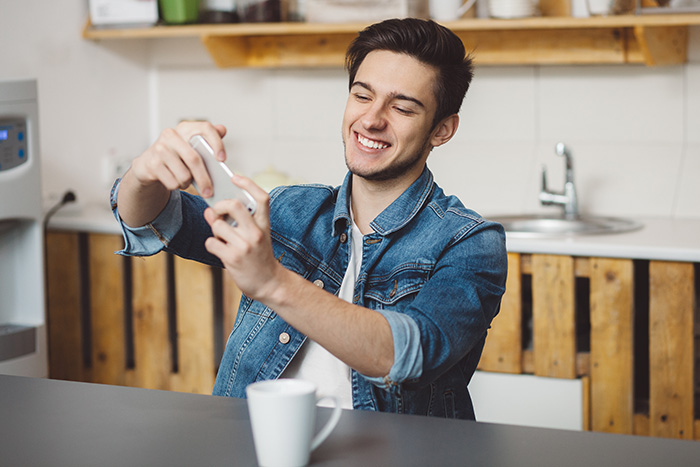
(259, 11)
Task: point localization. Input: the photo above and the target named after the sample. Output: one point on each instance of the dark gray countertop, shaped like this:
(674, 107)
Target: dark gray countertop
(59, 423)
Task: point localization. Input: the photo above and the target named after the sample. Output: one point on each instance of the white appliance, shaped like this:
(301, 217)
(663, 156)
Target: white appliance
(22, 303)
(118, 13)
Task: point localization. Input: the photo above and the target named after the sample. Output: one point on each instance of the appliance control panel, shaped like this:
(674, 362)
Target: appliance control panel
(13, 143)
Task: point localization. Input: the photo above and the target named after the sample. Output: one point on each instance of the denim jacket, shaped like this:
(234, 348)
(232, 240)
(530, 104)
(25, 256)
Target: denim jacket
(434, 269)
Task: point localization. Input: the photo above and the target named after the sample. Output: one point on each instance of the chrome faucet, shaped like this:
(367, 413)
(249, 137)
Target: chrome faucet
(568, 199)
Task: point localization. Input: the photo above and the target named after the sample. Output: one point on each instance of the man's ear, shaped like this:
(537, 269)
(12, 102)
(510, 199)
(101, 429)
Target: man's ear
(445, 130)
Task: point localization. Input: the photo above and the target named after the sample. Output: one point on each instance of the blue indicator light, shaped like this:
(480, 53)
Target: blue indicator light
(3, 135)
(21, 153)
(20, 136)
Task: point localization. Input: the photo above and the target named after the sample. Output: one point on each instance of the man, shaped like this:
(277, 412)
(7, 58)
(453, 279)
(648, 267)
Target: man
(381, 290)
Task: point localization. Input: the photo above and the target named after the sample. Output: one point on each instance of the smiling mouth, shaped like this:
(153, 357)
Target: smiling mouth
(370, 143)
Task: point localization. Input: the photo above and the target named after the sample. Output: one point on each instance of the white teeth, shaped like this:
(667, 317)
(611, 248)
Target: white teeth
(371, 144)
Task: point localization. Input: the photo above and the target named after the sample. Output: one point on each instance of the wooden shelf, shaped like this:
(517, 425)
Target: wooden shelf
(645, 39)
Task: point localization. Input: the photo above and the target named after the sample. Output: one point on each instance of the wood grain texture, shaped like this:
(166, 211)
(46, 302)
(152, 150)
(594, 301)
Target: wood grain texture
(195, 322)
(65, 341)
(553, 310)
(662, 45)
(612, 345)
(152, 351)
(671, 361)
(107, 309)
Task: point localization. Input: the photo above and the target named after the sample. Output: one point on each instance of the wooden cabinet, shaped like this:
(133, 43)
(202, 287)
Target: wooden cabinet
(159, 322)
(629, 329)
(645, 39)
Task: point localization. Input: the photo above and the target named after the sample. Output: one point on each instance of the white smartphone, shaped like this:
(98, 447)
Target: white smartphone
(220, 176)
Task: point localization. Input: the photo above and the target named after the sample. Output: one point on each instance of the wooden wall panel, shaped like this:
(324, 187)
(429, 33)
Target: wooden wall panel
(152, 350)
(65, 340)
(107, 309)
(671, 360)
(195, 327)
(553, 311)
(503, 348)
(612, 345)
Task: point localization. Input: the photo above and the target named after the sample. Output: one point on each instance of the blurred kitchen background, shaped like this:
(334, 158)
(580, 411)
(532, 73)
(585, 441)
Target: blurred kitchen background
(616, 316)
(633, 129)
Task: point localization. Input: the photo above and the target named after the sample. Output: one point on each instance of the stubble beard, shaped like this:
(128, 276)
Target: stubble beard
(392, 171)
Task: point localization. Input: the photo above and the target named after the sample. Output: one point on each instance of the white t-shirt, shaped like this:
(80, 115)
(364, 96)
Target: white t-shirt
(314, 363)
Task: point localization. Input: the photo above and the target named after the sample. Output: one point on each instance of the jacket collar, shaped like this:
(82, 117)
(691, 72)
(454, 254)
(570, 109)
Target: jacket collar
(396, 215)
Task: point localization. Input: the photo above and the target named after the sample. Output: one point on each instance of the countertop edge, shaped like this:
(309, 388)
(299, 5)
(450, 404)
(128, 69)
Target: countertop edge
(663, 239)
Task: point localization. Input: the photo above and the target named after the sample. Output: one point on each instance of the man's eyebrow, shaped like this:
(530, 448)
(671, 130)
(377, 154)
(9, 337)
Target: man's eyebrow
(393, 95)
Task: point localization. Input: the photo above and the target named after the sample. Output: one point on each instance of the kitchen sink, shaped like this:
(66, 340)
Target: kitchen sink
(536, 226)
(568, 223)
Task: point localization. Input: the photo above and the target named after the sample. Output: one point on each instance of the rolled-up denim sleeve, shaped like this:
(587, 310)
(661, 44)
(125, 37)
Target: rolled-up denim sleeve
(449, 317)
(154, 236)
(408, 352)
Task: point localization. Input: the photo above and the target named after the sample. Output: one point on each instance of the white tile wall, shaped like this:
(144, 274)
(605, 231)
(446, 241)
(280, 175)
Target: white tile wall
(694, 44)
(688, 194)
(500, 106)
(627, 104)
(692, 124)
(288, 119)
(310, 162)
(626, 124)
(242, 100)
(308, 104)
(489, 177)
(632, 130)
(92, 97)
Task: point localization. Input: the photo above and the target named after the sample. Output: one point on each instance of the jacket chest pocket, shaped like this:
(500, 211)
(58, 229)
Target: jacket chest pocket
(292, 259)
(397, 289)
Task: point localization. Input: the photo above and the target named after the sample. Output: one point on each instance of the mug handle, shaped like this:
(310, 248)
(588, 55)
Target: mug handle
(330, 424)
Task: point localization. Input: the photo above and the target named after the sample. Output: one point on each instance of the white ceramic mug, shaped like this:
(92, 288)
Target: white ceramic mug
(282, 415)
(449, 10)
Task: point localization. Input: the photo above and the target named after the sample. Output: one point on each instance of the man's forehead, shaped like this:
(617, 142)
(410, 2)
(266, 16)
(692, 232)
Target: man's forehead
(396, 73)
(387, 56)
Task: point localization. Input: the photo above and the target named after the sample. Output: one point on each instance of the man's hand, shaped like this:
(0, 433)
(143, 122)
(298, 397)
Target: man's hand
(169, 164)
(245, 250)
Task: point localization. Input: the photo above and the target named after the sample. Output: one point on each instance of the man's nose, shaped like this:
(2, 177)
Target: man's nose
(375, 117)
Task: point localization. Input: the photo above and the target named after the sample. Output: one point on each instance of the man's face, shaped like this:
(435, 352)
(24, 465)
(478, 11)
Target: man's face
(388, 117)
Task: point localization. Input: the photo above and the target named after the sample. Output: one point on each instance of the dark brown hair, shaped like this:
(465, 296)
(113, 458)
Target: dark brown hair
(426, 41)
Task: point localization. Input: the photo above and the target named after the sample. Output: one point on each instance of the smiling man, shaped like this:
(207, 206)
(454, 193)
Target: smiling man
(380, 290)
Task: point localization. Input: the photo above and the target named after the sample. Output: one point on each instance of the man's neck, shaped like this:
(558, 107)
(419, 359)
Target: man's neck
(370, 198)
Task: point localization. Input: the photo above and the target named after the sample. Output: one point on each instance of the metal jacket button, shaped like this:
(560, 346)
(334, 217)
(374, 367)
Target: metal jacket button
(284, 338)
(319, 283)
(343, 237)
